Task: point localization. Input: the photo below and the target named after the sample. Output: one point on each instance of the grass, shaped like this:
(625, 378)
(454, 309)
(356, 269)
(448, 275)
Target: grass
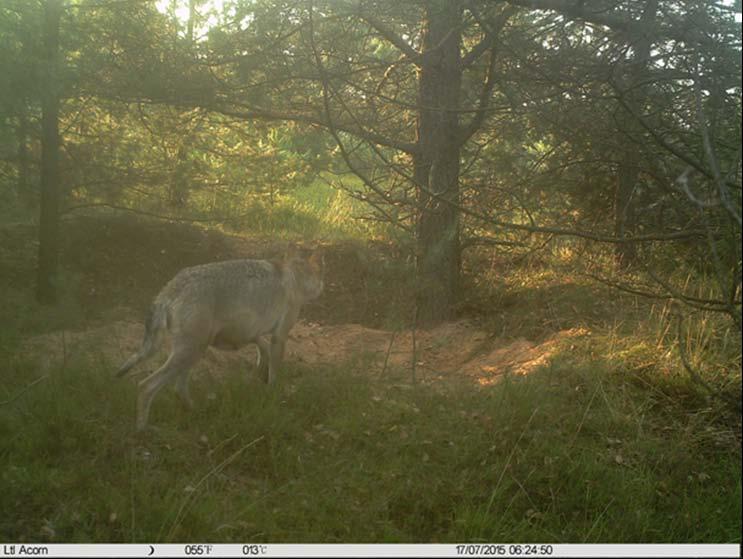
(307, 213)
(577, 452)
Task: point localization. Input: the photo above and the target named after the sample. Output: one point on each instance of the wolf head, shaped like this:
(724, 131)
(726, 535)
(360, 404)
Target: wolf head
(309, 273)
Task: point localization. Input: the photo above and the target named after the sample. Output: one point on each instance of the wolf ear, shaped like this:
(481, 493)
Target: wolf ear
(317, 259)
(290, 252)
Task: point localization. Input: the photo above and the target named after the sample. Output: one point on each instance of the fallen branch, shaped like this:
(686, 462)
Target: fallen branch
(23, 391)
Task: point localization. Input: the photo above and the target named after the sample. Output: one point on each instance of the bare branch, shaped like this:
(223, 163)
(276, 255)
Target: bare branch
(483, 103)
(386, 32)
(24, 390)
(693, 373)
(671, 236)
(153, 215)
(491, 33)
(711, 305)
(488, 241)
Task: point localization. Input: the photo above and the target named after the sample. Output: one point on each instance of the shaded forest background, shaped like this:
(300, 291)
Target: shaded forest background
(502, 123)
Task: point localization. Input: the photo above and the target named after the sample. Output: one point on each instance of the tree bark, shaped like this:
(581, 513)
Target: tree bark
(625, 253)
(26, 192)
(179, 179)
(628, 171)
(436, 163)
(191, 18)
(46, 284)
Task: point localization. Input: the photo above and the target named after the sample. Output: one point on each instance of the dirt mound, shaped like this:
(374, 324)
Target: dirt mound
(451, 348)
(455, 348)
(366, 282)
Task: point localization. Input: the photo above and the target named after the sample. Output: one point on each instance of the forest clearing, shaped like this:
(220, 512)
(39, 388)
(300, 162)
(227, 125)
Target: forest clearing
(529, 327)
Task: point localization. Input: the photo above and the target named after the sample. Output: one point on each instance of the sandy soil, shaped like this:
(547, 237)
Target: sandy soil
(455, 348)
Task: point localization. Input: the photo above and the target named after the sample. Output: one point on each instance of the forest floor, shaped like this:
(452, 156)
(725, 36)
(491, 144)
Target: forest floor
(454, 348)
(550, 409)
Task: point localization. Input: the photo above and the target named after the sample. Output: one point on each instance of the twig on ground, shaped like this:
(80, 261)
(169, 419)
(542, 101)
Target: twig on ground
(23, 390)
(389, 349)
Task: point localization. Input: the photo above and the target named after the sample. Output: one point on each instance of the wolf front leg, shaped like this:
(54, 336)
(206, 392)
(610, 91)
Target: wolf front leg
(264, 358)
(181, 386)
(278, 342)
(178, 363)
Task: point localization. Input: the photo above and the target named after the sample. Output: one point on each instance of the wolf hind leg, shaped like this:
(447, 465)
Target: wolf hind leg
(178, 363)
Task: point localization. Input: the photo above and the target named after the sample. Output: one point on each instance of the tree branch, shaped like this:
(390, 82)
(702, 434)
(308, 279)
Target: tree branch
(483, 103)
(661, 141)
(386, 32)
(676, 30)
(491, 33)
(575, 10)
(711, 305)
(329, 119)
(265, 114)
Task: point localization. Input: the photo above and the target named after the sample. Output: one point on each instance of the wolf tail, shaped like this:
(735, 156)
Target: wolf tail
(153, 334)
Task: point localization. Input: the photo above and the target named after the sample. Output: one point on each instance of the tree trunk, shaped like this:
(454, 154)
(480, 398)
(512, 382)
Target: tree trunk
(26, 192)
(624, 208)
(436, 166)
(191, 18)
(179, 179)
(46, 288)
(628, 172)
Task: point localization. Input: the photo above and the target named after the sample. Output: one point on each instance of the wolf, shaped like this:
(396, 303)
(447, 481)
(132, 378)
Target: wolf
(226, 305)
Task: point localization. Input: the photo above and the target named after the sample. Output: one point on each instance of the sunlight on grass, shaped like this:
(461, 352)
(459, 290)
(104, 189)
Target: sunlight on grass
(314, 211)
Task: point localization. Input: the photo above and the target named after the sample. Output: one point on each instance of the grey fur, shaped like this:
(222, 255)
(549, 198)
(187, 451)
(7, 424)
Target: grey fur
(226, 305)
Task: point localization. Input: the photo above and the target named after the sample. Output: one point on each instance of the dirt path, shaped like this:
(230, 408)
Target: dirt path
(456, 348)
